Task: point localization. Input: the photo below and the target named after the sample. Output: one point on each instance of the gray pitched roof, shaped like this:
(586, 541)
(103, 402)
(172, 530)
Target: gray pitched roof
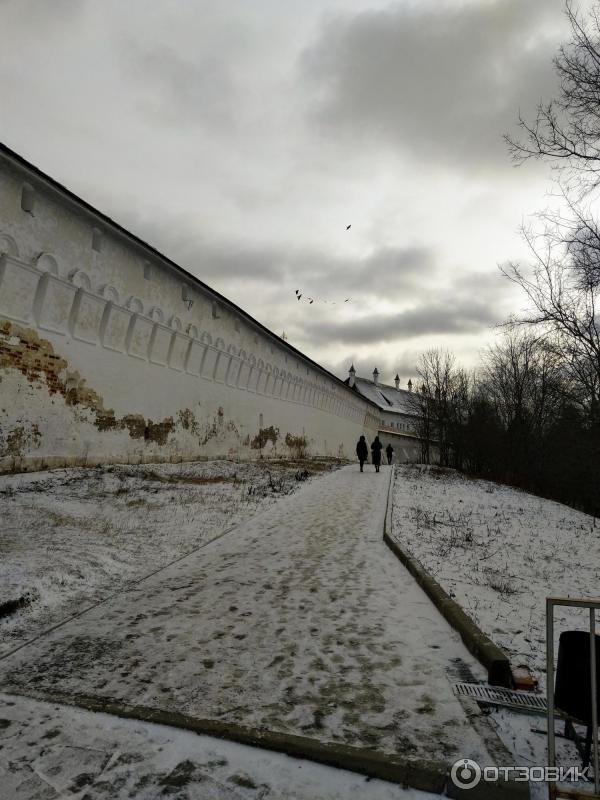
(388, 398)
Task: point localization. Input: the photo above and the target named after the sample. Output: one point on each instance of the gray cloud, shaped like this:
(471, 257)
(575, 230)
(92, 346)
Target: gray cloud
(440, 81)
(35, 15)
(443, 302)
(448, 318)
(396, 269)
(182, 89)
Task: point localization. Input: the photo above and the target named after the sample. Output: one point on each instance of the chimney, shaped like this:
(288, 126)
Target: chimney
(351, 376)
(375, 376)
(409, 385)
(397, 382)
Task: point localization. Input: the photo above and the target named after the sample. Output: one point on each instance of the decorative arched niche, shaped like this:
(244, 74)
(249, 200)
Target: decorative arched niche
(46, 263)
(80, 279)
(175, 323)
(156, 314)
(109, 293)
(192, 331)
(135, 305)
(8, 246)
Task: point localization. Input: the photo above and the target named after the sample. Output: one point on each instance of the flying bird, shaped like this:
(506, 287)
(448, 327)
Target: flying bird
(311, 300)
(348, 227)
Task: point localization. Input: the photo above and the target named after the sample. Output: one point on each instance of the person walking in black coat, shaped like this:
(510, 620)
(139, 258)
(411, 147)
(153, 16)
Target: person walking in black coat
(389, 451)
(376, 449)
(362, 451)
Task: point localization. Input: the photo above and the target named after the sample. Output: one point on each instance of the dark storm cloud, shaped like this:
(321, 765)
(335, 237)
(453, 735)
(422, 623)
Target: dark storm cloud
(438, 81)
(436, 318)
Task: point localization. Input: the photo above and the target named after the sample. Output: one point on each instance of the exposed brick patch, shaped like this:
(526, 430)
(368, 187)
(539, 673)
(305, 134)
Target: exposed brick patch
(23, 350)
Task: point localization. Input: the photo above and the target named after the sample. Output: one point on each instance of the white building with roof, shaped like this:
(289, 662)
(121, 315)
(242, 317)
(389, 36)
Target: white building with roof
(398, 412)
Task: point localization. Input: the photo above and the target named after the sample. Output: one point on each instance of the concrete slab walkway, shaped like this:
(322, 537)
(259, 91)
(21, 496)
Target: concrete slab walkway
(302, 623)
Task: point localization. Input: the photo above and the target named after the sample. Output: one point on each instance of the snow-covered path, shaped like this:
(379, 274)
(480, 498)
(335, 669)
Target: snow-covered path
(82, 755)
(302, 622)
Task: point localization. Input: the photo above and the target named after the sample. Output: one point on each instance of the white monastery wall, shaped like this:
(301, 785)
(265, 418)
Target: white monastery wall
(109, 352)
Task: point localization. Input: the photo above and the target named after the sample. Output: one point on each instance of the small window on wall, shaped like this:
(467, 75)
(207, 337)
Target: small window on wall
(215, 311)
(27, 198)
(261, 423)
(97, 240)
(147, 271)
(236, 325)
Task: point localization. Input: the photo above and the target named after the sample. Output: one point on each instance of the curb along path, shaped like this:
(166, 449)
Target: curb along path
(478, 643)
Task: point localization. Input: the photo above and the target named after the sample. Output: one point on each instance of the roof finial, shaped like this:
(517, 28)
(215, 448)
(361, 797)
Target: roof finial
(351, 376)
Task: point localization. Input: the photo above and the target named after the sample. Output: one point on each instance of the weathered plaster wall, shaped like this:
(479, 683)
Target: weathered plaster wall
(109, 352)
(407, 447)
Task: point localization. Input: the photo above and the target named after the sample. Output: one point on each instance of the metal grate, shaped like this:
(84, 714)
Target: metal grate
(508, 698)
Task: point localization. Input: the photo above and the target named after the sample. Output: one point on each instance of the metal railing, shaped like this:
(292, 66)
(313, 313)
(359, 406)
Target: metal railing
(555, 791)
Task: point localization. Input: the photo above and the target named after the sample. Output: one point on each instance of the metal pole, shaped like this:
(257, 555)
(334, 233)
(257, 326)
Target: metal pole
(594, 696)
(550, 684)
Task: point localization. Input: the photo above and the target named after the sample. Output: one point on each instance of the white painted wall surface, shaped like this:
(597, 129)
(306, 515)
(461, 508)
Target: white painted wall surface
(109, 353)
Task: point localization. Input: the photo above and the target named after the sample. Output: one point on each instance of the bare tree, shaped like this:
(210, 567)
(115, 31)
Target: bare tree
(566, 131)
(523, 379)
(563, 287)
(563, 282)
(435, 402)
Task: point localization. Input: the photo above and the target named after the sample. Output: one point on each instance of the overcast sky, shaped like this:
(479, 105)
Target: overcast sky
(241, 137)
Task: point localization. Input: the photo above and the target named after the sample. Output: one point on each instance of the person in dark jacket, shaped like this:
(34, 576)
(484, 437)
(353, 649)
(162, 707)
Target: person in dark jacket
(362, 451)
(376, 449)
(389, 451)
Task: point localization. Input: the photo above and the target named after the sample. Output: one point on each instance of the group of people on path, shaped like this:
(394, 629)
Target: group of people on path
(362, 451)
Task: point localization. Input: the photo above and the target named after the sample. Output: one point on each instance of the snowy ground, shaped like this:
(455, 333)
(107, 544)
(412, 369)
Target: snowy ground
(297, 620)
(499, 552)
(300, 621)
(71, 537)
(80, 754)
